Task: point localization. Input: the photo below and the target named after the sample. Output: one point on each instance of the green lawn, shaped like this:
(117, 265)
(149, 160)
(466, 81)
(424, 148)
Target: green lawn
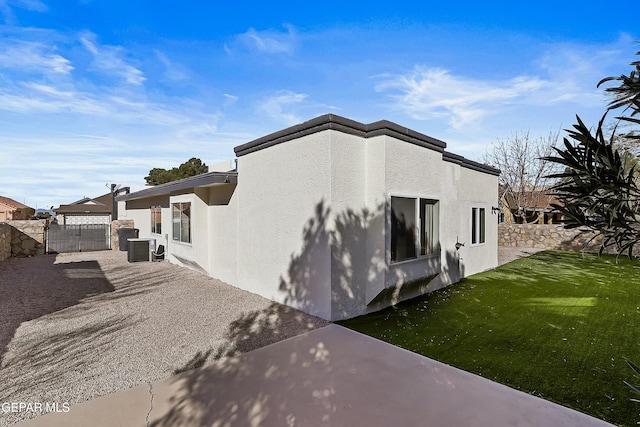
(558, 325)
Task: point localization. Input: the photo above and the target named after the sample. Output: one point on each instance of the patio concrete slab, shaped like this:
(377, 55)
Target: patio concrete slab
(327, 377)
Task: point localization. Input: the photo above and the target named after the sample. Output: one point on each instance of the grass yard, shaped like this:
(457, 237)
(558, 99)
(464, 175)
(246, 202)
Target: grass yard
(558, 325)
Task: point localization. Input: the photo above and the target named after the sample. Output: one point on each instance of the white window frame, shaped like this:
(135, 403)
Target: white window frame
(478, 225)
(419, 229)
(180, 203)
(152, 210)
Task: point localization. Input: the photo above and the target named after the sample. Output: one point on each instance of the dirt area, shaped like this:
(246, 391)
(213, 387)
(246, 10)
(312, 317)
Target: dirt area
(74, 327)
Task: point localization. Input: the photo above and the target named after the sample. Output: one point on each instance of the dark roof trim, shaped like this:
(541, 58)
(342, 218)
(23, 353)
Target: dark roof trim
(352, 127)
(470, 164)
(202, 180)
(342, 124)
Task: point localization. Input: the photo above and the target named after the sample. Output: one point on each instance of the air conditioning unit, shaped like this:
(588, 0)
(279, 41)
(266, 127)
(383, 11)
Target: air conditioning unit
(139, 250)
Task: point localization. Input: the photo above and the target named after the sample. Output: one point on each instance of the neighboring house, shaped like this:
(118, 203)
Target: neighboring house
(530, 207)
(334, 217)
(86, 211)
(12, 210)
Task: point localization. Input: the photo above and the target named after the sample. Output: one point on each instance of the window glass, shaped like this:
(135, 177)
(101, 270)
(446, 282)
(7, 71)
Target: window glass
(156, 219)
(474, 226)
(481, 240)
(181, 219)
(175, 215)
(429, 227)
(477, 225)
(403, 228)
(415, 227)
(185, 222)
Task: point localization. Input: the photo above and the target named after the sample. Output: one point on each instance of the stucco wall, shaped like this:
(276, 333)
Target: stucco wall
(328, 210)
(477, 190)
(223, 232)
(308, 223)
(283, 224)
(397, 168)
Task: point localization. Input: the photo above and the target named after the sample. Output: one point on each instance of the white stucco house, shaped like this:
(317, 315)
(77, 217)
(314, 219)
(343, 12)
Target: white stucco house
(332, 216)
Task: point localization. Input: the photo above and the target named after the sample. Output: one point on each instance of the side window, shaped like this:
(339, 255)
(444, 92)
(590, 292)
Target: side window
(429, 227)
(477, 226)
(181, 218)
(403, 228)
(156, 219)
(415, 225)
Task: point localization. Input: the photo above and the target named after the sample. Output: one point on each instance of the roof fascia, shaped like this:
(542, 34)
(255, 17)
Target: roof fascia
(352, 127)
(202, 180)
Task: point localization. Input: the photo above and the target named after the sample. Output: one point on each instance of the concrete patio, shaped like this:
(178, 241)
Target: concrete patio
(327, 377)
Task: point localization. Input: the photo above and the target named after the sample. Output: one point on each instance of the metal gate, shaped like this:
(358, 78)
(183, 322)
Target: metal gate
(78, 238)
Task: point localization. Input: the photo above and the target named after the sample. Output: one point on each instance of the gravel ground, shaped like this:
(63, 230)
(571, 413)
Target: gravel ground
(74, 327)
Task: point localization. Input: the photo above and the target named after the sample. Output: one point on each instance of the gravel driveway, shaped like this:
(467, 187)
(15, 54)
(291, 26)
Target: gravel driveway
(74, 327)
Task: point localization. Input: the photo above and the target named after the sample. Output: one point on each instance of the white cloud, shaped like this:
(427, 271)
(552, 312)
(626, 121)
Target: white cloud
(269, 41)
(34, 5)
(6, 8)
(230, 99)
(33, 56)
(427, 93)
(109, 60)
(173, 71)
(274, 106)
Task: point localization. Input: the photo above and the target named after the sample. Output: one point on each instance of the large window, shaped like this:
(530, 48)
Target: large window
(181, 215)
(156, 219)
(477, 226)
(414, 227)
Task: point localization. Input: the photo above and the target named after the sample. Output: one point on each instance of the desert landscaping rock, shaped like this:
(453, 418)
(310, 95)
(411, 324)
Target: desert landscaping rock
(74, 327)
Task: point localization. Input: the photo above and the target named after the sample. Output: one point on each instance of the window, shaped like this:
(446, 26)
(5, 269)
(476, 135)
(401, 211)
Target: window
(477, 226)
(156, 219)
(412, 218)
(181, 216)
(429, 227)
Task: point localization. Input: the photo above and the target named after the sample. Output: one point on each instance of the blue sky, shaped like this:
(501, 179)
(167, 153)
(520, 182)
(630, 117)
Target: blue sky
(95, 92)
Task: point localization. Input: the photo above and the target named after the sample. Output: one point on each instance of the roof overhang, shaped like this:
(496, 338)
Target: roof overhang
(352, 127)
(342, 124)
(209, 179)
(469, 164)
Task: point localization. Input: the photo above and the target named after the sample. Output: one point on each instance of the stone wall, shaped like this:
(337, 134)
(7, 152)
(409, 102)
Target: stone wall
(546, 236)
(115, 226)
(5, 241)
(27, 237)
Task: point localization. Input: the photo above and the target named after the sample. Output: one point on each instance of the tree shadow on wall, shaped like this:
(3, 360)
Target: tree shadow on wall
(267, 386)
